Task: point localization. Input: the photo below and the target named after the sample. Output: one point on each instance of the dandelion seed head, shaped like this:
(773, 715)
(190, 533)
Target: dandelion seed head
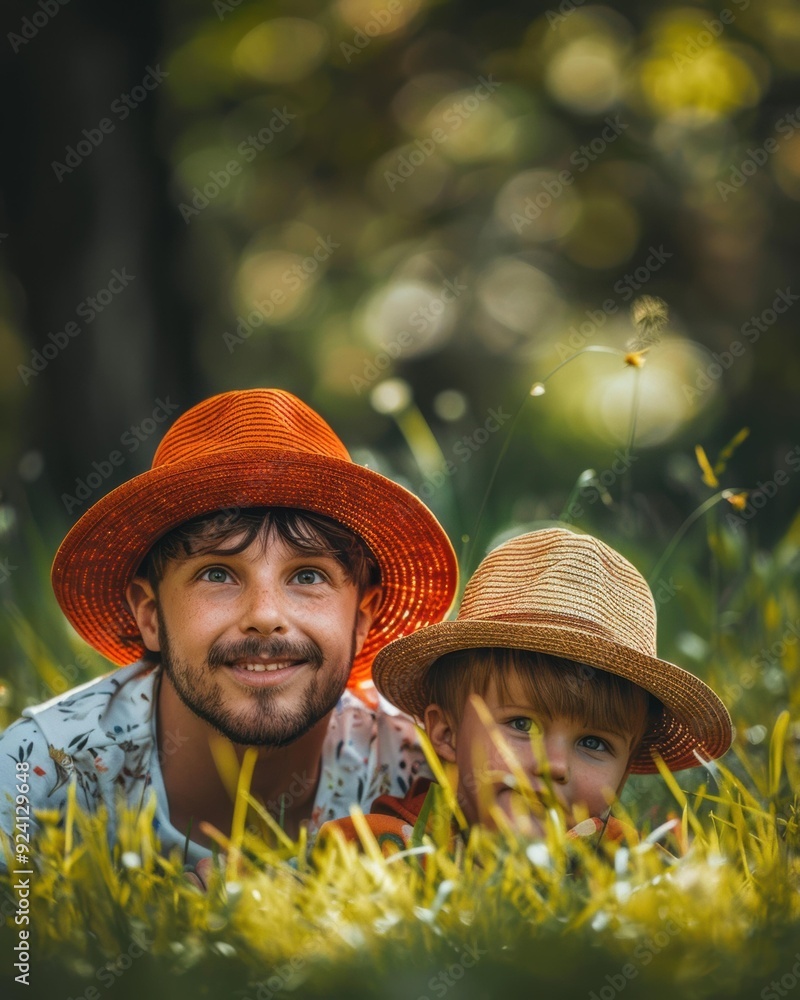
(649, 314)
(538, 389)
(131, 859)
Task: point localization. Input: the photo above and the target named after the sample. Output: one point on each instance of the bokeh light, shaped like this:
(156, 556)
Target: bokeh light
(375, 20)
(587, 74)
(412, 314)
(391, 397)
(595, 393)
(691, 73)
(606, 233)
(538, 205)
(450, 405)
(281, 50)
(520, 305)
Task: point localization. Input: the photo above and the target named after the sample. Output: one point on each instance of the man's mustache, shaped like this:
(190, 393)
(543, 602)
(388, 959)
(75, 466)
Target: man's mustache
(253, 648)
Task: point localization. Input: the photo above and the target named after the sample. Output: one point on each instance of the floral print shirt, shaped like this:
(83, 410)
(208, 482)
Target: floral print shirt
(102, 737)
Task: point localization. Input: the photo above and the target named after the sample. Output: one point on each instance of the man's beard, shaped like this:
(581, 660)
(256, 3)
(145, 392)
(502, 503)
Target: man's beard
(265, 724)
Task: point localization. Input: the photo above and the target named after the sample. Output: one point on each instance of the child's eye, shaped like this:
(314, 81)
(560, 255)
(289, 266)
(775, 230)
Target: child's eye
(307, 576)
(521, 725)
(215, 574)
(593, 743)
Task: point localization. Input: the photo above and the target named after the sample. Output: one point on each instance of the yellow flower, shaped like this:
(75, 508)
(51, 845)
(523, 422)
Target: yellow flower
(708, 473)
(736, 500)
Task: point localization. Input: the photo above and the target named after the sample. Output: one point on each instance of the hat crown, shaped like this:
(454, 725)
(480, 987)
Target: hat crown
(555, 577)
(251, 418)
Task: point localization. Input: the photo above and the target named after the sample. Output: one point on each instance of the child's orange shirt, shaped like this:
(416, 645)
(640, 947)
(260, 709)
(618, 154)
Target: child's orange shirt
(392, 821)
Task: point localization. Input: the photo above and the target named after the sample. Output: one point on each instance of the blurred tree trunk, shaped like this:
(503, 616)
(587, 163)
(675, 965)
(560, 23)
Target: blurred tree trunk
(69, 231)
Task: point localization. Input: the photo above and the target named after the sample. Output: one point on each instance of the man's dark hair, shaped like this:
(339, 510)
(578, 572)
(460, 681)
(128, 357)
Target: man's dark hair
(304, 530)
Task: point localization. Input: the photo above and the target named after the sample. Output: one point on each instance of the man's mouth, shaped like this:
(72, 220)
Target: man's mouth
(259, 657)
(264, 666)
(254, 666)
(250, 673)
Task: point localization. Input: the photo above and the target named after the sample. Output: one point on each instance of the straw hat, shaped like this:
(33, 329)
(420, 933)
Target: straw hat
(572, 596)
(259, 447)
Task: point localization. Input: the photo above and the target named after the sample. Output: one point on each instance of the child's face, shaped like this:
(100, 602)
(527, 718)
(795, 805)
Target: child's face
(587, 766)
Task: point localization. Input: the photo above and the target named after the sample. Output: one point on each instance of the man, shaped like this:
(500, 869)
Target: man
(242, 583)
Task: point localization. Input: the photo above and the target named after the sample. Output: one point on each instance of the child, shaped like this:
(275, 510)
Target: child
(548, 677)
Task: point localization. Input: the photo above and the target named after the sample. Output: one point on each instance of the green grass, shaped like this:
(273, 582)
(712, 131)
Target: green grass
(720, 916)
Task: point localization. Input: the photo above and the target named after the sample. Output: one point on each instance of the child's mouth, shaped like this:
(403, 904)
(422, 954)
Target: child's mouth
(528, 806)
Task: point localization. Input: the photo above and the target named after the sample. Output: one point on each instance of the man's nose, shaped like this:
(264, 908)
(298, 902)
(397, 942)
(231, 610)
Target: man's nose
(264, 611)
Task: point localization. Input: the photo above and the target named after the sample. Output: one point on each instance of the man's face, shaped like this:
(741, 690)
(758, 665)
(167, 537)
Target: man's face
(258, 643)
(585, 766)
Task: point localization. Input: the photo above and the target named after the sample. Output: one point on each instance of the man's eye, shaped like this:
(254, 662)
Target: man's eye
(215, 575)
(594, 743)
(306, 576)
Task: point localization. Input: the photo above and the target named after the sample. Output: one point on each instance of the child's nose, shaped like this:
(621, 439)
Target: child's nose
(551, 760)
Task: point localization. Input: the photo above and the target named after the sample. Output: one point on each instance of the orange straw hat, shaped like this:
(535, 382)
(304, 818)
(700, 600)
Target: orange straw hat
(570, 595)
(253, 448)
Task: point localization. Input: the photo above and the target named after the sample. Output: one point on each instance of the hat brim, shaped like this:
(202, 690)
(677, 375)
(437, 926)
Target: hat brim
(101, 553)
(694, 721)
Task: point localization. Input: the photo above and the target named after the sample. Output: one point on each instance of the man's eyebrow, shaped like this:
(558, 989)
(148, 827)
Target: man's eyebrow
(295, 550)
(202, 553)
(314, 554)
